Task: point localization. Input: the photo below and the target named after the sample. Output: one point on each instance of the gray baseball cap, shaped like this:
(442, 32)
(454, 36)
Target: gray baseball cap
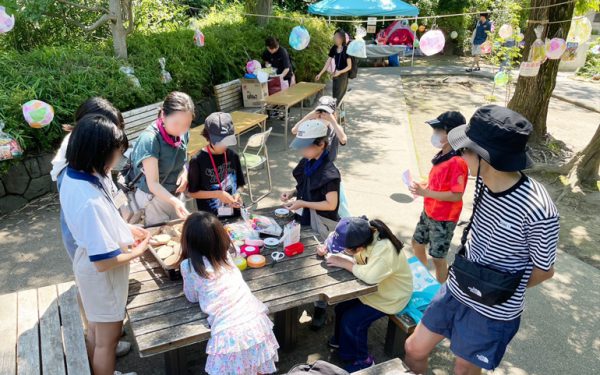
(221, 131)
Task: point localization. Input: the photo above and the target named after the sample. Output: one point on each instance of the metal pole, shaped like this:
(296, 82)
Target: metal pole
(412, 61)
(329, 20)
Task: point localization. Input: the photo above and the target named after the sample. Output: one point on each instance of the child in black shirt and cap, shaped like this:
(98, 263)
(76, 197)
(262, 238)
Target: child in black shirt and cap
(215, 174)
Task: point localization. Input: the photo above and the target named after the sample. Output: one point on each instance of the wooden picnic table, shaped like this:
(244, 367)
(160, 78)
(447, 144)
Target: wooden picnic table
(242, 122)
(42, 332)
(163, 321)
(288, 98)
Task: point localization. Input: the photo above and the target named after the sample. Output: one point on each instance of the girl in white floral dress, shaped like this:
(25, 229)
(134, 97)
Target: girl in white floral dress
(242, 340)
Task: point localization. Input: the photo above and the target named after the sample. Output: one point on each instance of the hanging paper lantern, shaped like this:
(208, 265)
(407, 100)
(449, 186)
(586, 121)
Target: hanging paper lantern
(581, 30)
(505, 31)
(570, 52)
(414, 27)
(416, 43)
(37, 113)
(454, 35)
(198, 38)
(252, 66)
(529, 69)
(555, 47)
(432, 42)
(486, 47)
(501, 78)
(6, 22)
(422, 28)
(299, 38)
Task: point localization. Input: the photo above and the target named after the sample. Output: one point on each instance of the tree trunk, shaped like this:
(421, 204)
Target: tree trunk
(589, 161)
(264, 7)
(118, 30)
(532, 94)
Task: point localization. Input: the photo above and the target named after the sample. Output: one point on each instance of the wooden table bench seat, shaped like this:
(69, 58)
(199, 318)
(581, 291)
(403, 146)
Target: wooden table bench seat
(138, 119)
(42, 332)
(398, 329)
(163, 321)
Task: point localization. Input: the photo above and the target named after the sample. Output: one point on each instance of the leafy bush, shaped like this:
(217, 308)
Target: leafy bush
(65, 76)
(591, 68)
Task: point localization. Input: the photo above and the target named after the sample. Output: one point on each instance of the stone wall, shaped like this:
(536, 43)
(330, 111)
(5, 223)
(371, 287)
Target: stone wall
(26, 180)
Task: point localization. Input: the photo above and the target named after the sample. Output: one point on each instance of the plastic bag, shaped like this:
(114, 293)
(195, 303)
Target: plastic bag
(425, 287)
(198, 38)
(165, 77)
(9, 147)
(537, 52)
(291, 234)
(129, 72)
(6, 22)
(357, 47)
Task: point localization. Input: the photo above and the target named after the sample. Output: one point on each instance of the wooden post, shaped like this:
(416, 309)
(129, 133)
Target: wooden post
(286, 328)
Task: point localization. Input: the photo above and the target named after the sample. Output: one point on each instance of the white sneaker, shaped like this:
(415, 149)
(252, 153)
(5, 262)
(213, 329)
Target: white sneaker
(125, 373)
(123, 347)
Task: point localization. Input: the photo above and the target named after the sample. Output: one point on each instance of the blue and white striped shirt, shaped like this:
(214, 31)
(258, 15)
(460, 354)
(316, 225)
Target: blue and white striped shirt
(513, 230)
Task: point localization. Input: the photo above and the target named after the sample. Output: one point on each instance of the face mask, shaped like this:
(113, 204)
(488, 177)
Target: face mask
(436, 141)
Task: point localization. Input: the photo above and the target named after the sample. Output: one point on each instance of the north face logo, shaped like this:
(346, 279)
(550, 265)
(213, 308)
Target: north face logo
(475, 291)
(483, 358)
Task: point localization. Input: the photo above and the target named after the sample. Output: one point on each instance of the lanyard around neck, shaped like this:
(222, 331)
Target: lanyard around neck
(212, 160)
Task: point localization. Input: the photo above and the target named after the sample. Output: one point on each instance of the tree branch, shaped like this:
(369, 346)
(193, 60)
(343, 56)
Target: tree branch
(85, 7)
(130, 26)
(101, 21)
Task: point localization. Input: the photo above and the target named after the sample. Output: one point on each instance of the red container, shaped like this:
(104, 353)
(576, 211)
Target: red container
(294, 249)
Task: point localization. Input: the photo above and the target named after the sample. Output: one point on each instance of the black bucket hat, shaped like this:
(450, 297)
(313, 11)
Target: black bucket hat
(498, 135)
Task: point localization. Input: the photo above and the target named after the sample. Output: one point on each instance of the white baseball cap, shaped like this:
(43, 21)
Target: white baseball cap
(308, 131)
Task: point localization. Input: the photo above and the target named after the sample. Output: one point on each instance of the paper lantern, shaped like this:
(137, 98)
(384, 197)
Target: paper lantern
(6, 22)
(529, 68)
(454, 35)
(506, 31)
(38, 113)
(422, 28)
(501, 78)
(416, 43)
(414, 26)
(198, 38)
(581, 30)
(252, 66)
(570, 52)
(486, 47)
(432, 42)
(555, 48)
(299, 38)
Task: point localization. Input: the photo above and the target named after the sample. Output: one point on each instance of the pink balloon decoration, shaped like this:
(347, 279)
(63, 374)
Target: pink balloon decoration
(432, 42)
(6, 22)
(555, 48)
(252, 66)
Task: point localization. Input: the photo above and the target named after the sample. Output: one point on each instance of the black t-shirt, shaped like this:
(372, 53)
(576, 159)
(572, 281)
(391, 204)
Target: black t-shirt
(341, 58)
(202, 177)
(279, 60)
(315, 188)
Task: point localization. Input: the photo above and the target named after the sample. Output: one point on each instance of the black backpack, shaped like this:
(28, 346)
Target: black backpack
(354, 70)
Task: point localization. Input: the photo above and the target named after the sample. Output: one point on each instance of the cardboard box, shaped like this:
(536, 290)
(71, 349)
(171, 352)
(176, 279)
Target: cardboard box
(254, 92)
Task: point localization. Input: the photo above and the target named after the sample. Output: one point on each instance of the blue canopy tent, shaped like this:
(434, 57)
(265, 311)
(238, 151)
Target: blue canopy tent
(361, 8)
(358, 8)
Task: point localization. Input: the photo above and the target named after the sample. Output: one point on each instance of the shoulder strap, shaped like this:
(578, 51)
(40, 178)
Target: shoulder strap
(478, 198)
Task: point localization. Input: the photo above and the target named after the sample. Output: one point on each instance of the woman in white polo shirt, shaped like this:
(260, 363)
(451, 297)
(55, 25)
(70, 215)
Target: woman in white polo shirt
(105, 242)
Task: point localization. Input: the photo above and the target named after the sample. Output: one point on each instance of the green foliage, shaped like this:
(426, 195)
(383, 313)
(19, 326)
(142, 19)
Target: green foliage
(591, 67)
(65, 76)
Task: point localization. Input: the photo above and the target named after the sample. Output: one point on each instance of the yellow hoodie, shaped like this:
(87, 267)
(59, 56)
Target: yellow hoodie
(381, 264)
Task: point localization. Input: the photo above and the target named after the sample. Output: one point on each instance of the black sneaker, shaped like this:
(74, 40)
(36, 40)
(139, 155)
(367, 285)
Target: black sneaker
(333, 343)
(318, 318)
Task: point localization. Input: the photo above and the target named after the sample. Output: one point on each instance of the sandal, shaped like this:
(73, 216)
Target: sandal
(477, 69)
(469, 70)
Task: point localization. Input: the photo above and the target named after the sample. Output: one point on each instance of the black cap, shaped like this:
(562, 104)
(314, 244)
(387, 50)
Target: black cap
(327, 104)
(219, 126)
(448, 120)
(498, 135)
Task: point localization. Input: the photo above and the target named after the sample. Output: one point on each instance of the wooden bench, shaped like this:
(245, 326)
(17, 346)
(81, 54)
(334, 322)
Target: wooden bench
(391, 367)
(398, 330)
(138, 119)
(41, 332)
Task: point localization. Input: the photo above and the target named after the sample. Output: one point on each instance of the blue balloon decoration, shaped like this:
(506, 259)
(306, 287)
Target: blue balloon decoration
(299, 38)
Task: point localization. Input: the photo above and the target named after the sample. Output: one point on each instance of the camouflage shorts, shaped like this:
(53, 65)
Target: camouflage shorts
(438, 234)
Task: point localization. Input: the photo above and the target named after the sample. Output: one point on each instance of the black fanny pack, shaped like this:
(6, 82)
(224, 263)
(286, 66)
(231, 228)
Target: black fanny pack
(481, 283)
(484, 284)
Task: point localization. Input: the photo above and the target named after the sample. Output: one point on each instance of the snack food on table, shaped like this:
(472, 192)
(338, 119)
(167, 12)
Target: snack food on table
(160, 239)
(170, 261)
(164, 252)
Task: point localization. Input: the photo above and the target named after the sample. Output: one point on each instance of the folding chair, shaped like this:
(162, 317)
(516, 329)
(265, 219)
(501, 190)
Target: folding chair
(258, 158)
